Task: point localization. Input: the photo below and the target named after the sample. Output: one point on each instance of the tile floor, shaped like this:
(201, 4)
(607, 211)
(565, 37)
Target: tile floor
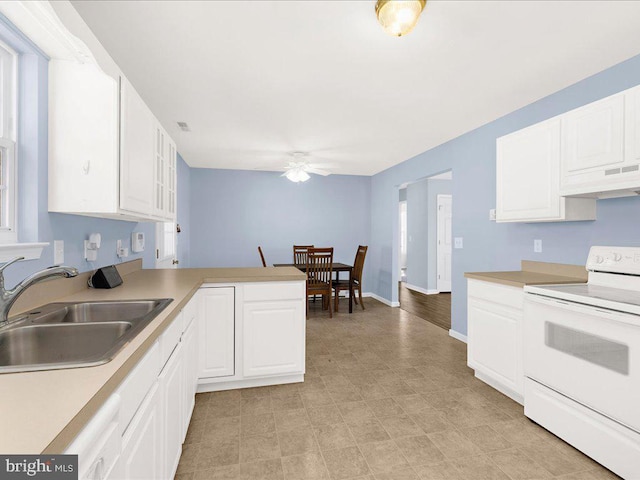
(386, 396)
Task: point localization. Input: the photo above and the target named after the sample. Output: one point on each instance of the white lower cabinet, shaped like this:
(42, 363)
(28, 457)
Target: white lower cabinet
(171, 386)
(190, 374)
(142, 443)
(217, 319)
(494, 351)
(251, 334)
(273, 338)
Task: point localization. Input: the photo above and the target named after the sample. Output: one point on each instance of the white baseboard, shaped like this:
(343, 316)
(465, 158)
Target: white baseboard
(215, 385)
(381, 299)
(457, 335)
(426, 291)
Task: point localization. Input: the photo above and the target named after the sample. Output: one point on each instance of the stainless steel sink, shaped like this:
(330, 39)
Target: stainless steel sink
(66, 335)
(92, 311)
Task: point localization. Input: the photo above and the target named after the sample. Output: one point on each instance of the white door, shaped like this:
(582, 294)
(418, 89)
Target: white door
(217, 332)
(190, 374)
(166, 245)
(443, 283)
(403, 235)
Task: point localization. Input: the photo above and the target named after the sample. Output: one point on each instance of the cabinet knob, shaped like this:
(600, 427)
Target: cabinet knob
(175, 262)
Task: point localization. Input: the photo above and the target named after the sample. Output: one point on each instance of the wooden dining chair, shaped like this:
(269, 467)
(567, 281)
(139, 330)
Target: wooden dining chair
(358, 264)
(319, 273)
(264, 264)
(300, 254)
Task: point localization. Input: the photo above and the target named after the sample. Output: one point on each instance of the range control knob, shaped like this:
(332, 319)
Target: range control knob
(617, 257)
(599, 259)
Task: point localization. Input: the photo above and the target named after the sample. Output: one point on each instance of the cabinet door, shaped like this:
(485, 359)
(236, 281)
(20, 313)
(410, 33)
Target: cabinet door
(171, 180)
(528, 173)
(217, 336)
(632, 126)
(160, 172)
(171, 386)
(142, 445)
(495, 347)
(83, 138)
(136, 151)
(593, 136)
(190, 375)
(273, 335)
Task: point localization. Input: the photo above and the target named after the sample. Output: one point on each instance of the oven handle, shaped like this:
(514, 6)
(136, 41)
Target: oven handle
(624, 317)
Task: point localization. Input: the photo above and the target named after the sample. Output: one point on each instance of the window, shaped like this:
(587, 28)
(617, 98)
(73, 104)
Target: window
(8, 95)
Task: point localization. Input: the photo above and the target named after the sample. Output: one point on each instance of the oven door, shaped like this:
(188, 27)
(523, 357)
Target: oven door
(586, 353)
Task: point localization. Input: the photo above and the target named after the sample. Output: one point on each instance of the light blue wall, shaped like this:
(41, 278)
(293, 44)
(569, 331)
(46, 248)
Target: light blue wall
(234, 211)
(487, 245)
(35, 222)
(436, 187)
(183, 215)
(417, 233)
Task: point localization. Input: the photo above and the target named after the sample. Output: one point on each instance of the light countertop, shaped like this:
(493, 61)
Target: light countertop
(534, 273)
(42, 412)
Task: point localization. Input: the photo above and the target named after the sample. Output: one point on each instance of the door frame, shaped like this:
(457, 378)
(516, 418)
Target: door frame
(439, 250)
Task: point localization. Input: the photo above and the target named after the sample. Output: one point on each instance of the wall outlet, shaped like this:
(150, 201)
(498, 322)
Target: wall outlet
(492, 214)
(58, 252)
(120, 251)
(537, 246)
(457, 242)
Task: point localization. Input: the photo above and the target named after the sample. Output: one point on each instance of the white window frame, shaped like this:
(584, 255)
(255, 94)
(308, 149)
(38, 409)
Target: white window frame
(8, 135)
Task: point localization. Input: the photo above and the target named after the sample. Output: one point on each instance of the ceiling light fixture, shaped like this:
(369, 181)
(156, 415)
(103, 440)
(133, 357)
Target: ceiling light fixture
(398, 17)
(297, 175)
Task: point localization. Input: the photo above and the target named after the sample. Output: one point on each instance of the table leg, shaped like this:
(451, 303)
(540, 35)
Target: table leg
(351, 291)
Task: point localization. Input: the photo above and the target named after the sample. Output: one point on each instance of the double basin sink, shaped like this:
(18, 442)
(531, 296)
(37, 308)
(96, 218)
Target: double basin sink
(67, 335)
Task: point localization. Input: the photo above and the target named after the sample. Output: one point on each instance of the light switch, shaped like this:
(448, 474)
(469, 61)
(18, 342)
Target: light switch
(58, 252)
(457, 242)
(537, 246)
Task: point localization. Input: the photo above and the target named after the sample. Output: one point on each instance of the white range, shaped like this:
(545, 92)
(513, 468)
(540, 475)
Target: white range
(582, 359)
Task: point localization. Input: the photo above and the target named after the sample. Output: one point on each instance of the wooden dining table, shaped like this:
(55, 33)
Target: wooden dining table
(335, 267)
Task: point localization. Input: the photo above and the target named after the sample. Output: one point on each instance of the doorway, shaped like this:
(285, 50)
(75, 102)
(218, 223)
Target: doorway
(166, 245)
(425, 253)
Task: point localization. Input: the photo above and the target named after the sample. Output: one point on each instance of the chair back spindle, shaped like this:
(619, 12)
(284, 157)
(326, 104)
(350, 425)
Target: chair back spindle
(300, 254)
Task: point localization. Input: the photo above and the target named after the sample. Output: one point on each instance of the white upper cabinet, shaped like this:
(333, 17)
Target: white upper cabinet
(136, 151)
(528, 178)
(103, 152)
(632, 131)
(164, 185)
(593, 147)
(83, 139)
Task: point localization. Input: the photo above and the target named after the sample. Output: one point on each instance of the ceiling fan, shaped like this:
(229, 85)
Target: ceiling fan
(298, 168)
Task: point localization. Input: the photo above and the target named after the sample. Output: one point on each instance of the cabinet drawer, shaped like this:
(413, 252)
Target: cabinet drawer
(274, 291)
(170, 338)
(496, 293)
(137, 384)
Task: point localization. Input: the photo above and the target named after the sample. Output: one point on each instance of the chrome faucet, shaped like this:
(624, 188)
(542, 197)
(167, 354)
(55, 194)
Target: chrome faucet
(8, 297)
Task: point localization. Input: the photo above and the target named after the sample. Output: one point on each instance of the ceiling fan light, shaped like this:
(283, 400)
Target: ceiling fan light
(398, 17)
(297, 175)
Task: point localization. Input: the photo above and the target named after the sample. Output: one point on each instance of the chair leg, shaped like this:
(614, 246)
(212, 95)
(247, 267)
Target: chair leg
(360, 295)
(307, 304)
(335, 299)
(329, 303)
(353, 293)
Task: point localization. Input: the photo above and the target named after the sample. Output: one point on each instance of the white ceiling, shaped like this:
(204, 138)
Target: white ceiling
(257, 79)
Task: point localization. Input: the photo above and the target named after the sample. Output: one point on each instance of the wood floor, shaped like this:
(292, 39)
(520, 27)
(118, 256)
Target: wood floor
(432, 308)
